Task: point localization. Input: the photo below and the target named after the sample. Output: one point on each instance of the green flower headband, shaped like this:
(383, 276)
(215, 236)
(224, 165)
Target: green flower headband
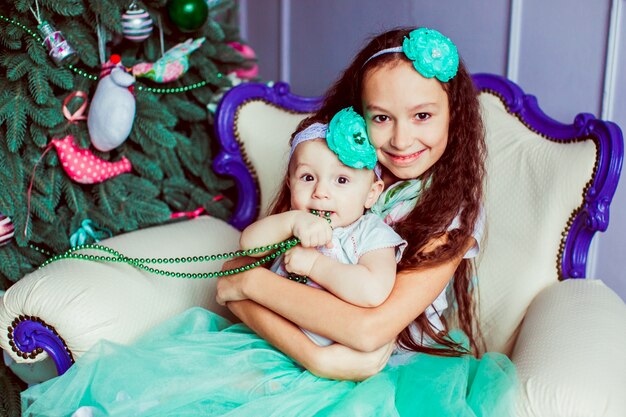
(346, 136)
(433, 54)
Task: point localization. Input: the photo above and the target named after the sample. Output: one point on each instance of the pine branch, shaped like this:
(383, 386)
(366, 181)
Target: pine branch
(211, 180)
(228, 54)
(141, 186)
(74, 198)
(81, 35)
(17, 65)
(63, 7)
(9, 37)
(176, 194)
(11, 262)
(101, 218)
(55, 187)
(149, 212)
(45, 117)
(39, 87)
(55, 239)
(6, 105)
(154, 132)
(16, 124)
(144, 166)
(108, 13)
(185, 109)
(188, 155)
(105, 199)
(61, 77)
(154, 110)
(36, 52)
(214, 31)
(40, 206)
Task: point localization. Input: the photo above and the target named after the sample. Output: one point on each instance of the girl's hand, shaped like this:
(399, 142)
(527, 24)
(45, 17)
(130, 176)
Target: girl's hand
(299, 260)
(310, 229)
(230, 288)
(340, 362)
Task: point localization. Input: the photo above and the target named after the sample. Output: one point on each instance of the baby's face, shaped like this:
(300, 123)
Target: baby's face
(319, 181)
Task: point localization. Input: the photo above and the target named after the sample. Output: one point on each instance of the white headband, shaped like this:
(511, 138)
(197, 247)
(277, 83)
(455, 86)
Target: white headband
(384, 51)
(314, 131)
(318, 131)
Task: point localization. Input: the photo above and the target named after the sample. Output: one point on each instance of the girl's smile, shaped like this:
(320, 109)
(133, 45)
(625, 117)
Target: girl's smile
(405, 159)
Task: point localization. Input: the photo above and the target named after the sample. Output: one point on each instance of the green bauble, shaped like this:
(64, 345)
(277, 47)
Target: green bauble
(188, 15)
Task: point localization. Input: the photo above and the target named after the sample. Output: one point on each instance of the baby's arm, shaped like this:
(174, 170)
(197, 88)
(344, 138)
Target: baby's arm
(310, 229)
(366, 284)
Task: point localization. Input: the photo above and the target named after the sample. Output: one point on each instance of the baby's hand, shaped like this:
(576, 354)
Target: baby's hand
(300, 261)
(311, 230)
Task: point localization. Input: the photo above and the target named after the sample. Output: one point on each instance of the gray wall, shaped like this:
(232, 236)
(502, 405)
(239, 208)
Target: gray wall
(570, 54)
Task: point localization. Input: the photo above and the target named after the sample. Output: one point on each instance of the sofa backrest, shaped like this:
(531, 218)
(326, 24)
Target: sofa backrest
(541, 178)
(533, 188)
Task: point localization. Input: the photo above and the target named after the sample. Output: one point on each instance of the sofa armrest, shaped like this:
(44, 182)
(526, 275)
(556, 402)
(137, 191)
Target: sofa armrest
(82, 302)
(570, 352)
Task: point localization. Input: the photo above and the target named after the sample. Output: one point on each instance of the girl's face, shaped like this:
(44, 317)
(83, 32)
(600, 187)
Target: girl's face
(319, 181)
(407, 117)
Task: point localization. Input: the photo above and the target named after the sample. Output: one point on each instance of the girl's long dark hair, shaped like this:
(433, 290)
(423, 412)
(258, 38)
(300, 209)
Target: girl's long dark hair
(456, 189)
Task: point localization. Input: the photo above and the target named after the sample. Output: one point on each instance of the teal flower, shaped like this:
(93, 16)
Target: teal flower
(347, 137)
(433, 54)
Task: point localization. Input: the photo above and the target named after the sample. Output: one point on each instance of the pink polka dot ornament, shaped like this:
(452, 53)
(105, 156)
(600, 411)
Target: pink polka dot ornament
(83, 166)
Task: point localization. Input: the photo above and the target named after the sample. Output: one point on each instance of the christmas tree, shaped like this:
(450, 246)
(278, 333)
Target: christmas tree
(140, 152)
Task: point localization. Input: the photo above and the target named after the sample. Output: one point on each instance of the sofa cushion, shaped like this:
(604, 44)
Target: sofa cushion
(573, 333)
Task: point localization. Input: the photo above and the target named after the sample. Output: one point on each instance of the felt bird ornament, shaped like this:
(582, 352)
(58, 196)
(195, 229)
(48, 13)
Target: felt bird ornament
(112, 110)
(171, 66)
(83, 166)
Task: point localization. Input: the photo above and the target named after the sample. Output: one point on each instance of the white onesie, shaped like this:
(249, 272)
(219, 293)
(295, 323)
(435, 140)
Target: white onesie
(351, 242)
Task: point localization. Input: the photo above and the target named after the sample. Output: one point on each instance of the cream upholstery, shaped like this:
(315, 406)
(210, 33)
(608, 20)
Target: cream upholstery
(89, 301)
(265, 130)
(570, 352)
(533, 188)
(525, 220)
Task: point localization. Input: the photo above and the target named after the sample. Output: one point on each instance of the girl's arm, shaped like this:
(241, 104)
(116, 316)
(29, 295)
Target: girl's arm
(366, 284)
(334, 361)
(312, 230)
(364, 329)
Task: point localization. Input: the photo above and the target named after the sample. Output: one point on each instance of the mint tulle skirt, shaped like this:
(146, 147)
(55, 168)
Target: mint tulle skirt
(197, 364)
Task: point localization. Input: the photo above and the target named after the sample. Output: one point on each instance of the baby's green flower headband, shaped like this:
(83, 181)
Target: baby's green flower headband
(346, 136)
(433, 54)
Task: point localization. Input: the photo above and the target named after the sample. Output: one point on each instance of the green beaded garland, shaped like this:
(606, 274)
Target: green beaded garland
(140, 263)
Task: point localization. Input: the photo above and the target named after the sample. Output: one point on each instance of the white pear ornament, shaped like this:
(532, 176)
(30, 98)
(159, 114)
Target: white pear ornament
(112, 110)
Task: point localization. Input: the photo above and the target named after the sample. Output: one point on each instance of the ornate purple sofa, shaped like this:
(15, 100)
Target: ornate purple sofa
(548, 191)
